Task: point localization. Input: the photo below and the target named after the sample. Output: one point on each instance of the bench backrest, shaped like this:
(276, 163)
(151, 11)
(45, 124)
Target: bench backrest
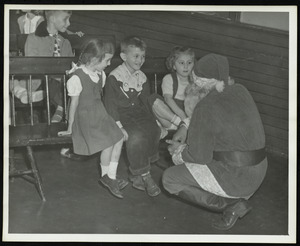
(44, 67)
(17, 42)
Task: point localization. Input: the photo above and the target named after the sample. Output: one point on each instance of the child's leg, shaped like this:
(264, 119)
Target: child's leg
(114, 160)
(110, 182)
(21, 92)
(164, 114)
(56, 98)
(105, 160)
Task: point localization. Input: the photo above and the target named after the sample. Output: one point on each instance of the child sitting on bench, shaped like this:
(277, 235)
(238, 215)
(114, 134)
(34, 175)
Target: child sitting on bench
(91, 127)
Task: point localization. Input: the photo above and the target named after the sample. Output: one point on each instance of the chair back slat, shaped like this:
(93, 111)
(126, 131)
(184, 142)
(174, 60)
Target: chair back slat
(29, 86)
(43, 68)
(12, 102)
(47, 99)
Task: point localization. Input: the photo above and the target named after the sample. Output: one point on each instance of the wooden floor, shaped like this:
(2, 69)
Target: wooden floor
(77, 204)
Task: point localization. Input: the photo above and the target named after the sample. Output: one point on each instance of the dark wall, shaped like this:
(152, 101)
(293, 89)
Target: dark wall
(258, 57)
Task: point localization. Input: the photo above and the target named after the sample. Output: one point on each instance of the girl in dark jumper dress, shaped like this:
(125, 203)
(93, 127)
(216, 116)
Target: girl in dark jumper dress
(91, 127)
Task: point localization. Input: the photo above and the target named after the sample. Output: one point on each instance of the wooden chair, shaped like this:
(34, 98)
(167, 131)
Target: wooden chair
(36, 134)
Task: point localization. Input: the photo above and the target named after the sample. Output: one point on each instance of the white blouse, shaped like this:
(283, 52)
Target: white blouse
(167, 87)
(74, 86)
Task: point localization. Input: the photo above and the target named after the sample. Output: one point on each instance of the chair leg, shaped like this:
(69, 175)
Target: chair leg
(35, 171)
(12, 167)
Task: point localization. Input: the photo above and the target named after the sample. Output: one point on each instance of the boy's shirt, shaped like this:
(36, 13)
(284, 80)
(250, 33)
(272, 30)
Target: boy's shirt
(125, 91)
(129, 81)
(41, 43)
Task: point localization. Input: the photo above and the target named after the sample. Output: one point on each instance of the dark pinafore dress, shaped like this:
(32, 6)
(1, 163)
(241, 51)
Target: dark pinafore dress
(180, 103)
(93, 129)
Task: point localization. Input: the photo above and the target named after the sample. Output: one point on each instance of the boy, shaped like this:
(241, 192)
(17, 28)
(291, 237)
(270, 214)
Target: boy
(46, 41)
(126, 96)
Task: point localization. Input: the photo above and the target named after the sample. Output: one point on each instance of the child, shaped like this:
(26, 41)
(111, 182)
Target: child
(92, 129)
(47, 41)
(126, 95)
(180, 63)
(29, 21)
(27, 24)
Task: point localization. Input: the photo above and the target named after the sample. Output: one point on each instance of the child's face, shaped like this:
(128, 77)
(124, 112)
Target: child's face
(100, 66)
(61, 21)
(184, 65)
(134, 58)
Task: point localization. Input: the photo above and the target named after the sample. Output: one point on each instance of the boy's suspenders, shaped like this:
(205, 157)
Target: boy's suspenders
(175, 83)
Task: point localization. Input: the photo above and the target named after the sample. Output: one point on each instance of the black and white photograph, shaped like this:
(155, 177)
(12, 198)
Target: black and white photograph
(149, 123)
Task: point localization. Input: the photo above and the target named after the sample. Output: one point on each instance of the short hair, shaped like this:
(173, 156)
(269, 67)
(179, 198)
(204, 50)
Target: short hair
(175, 53)
(95, 48)
(49, 13)
(133, 42)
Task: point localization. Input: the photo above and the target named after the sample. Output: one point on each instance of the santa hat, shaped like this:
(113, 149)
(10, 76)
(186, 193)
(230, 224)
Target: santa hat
(212, 66)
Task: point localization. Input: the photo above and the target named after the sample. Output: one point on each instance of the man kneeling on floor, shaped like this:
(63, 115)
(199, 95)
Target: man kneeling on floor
(223, 161)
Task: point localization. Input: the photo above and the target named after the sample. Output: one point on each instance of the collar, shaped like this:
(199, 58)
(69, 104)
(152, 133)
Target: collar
(129, 80)
(83, 67)
(41, 30)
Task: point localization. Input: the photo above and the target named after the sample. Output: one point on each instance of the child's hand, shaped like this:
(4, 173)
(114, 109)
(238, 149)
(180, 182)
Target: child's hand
(80, 34)
(180, 135)
(64, 133)
(174, 145)
(125, 134)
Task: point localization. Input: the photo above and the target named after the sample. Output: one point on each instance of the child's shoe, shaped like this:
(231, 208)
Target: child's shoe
(122, 183)
(163, 130)
(137, 182)
(68, 153)
(36, 96)
(112, 185)
(151, 187)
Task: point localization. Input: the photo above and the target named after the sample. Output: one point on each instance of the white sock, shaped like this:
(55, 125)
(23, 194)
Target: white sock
(112, 170)
(176, 120)
(104, 170)
(60, 108)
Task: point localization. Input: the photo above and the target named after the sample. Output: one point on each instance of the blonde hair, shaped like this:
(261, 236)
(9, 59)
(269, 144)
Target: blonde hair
(175, 53)
(133, 42)
(49, 13)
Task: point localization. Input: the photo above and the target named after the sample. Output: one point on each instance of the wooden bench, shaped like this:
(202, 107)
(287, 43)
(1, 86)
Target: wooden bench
(34, 134)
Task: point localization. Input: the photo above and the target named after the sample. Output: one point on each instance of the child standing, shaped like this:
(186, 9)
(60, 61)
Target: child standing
(29, 21)
(92, 129)
(126, 98)
(180, 63)
(27, 24)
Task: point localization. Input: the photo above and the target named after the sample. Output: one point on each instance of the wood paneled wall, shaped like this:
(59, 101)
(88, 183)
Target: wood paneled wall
(258, 57)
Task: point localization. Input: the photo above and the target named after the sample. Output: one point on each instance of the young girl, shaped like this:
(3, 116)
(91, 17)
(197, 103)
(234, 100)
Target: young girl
(92, 129)
(170, 112)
